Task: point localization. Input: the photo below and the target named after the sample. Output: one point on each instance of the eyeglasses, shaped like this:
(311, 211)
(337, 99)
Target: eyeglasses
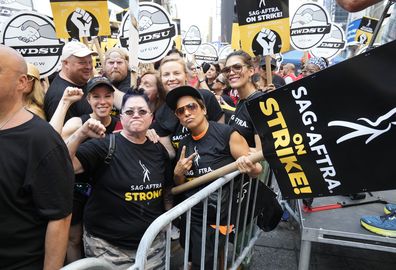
(30, 78)
(191, 107)
(236, 68)
(140, 112)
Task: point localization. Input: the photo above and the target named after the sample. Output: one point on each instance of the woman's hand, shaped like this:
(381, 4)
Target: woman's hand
(183, 165)
(246, 166)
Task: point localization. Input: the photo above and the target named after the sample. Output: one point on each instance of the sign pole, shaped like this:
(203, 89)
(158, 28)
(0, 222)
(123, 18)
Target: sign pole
(268, 69)
(99, 50)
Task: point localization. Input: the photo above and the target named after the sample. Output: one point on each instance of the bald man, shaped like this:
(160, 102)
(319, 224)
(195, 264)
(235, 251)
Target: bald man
(36, 178)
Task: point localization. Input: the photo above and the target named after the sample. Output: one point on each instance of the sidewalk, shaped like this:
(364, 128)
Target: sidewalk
(280, 249)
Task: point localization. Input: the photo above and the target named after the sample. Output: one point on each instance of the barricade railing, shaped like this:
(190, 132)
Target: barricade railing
(244, 238)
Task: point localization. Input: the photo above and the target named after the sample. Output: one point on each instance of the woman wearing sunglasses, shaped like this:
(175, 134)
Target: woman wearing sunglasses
(209, 146)
(239, 70)
(173, 73)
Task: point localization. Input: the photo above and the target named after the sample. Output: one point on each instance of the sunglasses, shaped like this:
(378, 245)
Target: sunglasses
(191, 107)
(236, 68)
(217, 80)
(140, 112)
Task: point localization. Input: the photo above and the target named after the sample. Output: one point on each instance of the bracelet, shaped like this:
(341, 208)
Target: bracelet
(201, 81)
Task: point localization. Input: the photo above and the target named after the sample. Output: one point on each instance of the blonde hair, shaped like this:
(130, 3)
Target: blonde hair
(34, 100)
(172, 58)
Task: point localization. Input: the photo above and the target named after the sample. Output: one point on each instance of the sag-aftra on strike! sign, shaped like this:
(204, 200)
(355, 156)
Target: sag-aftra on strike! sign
(333, 132)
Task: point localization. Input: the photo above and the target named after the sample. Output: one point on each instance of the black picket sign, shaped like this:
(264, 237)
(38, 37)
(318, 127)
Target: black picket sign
(333, 132)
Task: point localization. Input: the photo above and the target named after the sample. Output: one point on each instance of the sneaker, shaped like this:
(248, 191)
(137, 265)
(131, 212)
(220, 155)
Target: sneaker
(389, 208)
(382, 225)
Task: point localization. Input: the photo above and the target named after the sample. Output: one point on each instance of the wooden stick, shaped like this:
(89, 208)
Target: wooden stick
(99, 50)
(209, 177)
(268, 69)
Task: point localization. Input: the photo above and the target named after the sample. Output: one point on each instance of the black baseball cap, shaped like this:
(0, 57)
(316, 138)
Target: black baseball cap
(95, 81)
(173, 96)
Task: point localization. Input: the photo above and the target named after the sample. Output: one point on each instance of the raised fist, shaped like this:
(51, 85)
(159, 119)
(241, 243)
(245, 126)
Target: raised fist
(83, 21)
(266, 38)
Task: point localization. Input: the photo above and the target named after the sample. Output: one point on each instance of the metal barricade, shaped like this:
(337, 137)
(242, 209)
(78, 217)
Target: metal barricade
(244, 238)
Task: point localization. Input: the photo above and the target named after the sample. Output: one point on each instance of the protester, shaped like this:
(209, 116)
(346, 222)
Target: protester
(34, 95)
(219, 85)
(116, 68)
(173, 73)
(192, 76)
(289, 73)
(277, 80)
(118, 212)
(36, 178)
(76, 70)
(238, 71)
(151, 84)
(314, 65)
(209, 146)
(211, 74)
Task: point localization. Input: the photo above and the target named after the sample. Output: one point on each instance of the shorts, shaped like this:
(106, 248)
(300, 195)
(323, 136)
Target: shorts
(122, 258)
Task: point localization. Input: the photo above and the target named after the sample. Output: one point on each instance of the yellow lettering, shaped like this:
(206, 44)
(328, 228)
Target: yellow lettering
(142, 196)
(279, 120)
(282, 138)
(128, 196)
(149, 195)
(298, 179)
(135, 196)
(300, 149)
(290, 163)
(302, 190)
(272, 105)
(284, 152)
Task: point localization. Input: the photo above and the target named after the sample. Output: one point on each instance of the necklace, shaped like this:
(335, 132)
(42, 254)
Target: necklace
(10, 118)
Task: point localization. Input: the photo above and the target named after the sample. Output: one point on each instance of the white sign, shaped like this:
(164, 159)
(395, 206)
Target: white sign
(33, 35)
(332, 44)
(192, 39)
(225, 51)
(156, 32)
(308, 27)
(206, 53)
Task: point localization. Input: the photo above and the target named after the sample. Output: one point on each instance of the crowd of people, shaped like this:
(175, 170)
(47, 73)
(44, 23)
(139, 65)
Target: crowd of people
(87, 162)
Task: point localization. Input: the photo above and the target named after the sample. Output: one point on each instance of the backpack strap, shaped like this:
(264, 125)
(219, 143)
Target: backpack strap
(112, 148)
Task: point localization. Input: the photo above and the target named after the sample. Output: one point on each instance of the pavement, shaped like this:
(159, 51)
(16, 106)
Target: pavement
(280, 249)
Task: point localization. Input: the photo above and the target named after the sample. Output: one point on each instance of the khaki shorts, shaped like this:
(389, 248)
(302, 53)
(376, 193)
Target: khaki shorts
(123, 258)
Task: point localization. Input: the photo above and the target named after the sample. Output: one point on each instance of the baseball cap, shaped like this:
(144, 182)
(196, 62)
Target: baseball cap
(273, 62)
(76, 48)
(95, 81)
(173, 96)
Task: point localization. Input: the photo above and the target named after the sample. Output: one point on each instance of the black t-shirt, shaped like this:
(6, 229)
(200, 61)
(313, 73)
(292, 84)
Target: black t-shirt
(54, 95)
(167, 124)
(36, 186)
(242, 122)
(127, 194)
(213, 151)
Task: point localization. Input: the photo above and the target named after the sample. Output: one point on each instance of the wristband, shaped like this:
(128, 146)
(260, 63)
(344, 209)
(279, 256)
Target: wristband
(201, 81)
